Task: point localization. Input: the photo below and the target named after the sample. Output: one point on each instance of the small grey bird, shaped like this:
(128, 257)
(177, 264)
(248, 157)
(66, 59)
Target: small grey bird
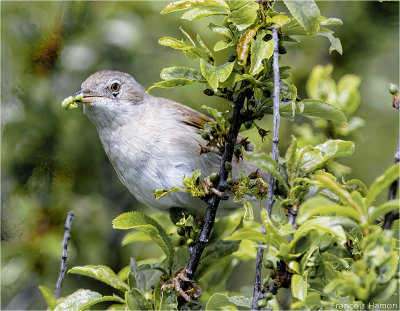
(151, 142)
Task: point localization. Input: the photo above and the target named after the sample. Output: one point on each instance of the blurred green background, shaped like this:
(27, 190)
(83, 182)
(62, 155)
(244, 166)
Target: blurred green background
(52, 160)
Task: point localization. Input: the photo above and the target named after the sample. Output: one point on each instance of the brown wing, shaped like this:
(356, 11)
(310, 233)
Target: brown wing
(197, 120)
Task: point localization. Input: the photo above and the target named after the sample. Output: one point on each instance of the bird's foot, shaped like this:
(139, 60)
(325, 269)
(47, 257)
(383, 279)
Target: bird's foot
(209, 188)
(193, 290)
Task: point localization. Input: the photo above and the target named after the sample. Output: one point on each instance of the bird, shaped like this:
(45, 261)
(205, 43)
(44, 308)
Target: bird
(152, 142)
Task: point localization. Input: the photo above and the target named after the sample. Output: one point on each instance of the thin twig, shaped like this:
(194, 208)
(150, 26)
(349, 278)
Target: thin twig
(63, 269)
(257, 294)
(197, 250)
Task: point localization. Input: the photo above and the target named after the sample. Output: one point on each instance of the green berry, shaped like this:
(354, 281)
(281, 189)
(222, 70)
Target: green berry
(269, 296)
(394, 89)
(282, 49)
(248, 125)
(228, 166)
(229, 181)
(213, 177)
(181, 231)
(189, 242)
(262, 303)
(268, 264)
(238, 151)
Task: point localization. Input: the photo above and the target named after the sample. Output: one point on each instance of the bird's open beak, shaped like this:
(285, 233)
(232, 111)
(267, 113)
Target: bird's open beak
(87, 97)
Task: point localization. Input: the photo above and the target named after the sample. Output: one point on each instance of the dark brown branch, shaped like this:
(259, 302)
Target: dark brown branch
(63, 269)
(390, 217)
(197, 250)
(257, 294)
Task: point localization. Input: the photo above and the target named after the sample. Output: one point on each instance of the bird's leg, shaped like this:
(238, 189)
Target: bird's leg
(209, 187)
(193, 291)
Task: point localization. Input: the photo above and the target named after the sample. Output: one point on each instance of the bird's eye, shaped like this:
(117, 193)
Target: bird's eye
(115, 87)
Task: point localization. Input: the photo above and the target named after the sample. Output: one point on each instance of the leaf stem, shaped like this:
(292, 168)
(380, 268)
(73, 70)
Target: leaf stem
(63, 269)
(257, 293)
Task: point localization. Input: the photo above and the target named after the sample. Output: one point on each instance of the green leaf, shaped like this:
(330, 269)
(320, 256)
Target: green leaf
(223, 302)
(197, 13)
(222, 45)
(141, 222)
(331, 225)
(336, 148)
(135, 237)
(136, 301)
(331, 21)
(82, 299)
(273, 235)
(175, 43)
(168, 84)
(242, 13)
(168, 300)
(299, 287)
(215, 75)
(187, 4)
(243, 45)
(49, 297)
(103, 274)
(382, 182)
(383, 209)
(266, 162)
(259, 51)
(180, 72)
(348, 94)
(319, 109)
(322, 206)
(306, 13)
(225, 226)
(248, 211)
(247, 234)
(336, 45)
(222, 30)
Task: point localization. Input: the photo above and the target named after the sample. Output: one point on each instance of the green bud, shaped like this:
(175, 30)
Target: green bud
(268, 264)
(394, 89)
(228, 166)
(181, 231)
(229, 181)
(269, 296)
(248, 125)
(213, 177)
(238, 151)
(262, 303)
(189, 242)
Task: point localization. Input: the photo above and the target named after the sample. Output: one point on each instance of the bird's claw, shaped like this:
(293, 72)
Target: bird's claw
(194, 291)
(209, 187)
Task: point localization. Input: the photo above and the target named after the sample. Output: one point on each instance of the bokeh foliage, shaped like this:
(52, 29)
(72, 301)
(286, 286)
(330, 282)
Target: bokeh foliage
(52, 161)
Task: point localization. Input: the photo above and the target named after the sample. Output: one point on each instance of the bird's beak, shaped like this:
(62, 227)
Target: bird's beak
(88, 97)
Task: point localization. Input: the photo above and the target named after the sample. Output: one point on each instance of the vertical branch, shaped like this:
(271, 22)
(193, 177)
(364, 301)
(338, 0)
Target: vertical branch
(63, 269)
(390, 217)
(257, 294)
(197, 250)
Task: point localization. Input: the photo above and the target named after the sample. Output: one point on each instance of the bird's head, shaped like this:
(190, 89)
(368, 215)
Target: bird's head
(110, 95)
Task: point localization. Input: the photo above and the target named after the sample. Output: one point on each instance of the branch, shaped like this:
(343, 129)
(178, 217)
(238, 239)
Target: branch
(197, 250)
(390, 217)
(257, 294)
(63, 269)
